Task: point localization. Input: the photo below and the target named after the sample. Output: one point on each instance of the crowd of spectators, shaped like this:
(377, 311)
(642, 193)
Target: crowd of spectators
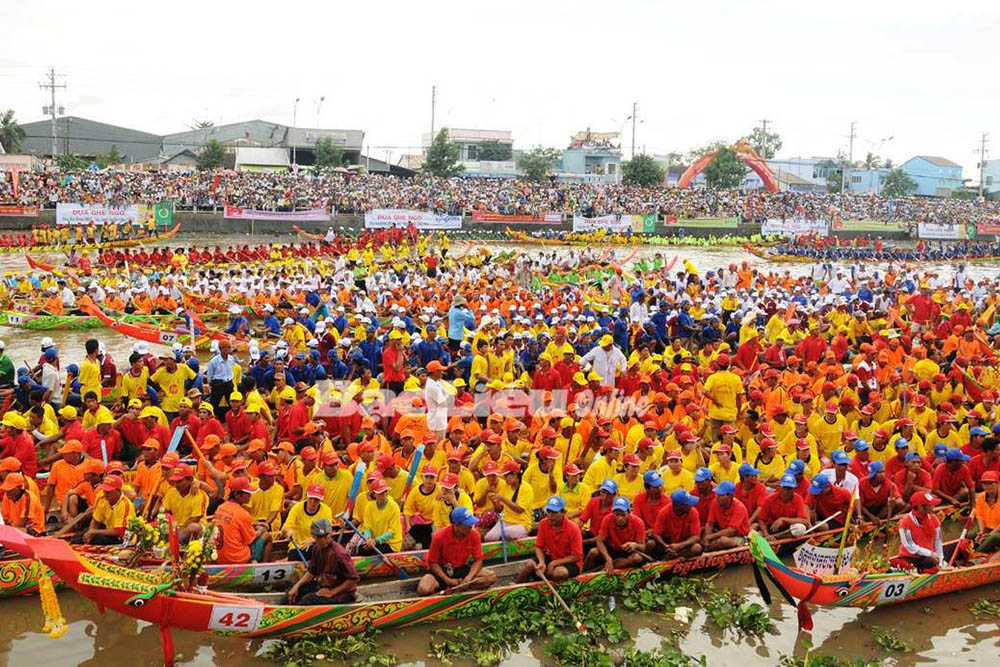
(358, 193)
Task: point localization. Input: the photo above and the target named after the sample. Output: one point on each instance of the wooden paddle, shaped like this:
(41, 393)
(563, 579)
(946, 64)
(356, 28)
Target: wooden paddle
(72, 524)
(579, 626)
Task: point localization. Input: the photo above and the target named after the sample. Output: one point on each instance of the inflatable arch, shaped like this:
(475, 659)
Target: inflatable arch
(745, 154)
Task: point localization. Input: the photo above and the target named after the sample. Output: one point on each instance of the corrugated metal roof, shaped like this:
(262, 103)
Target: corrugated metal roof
(306, 137)
(939, 161)
(89, 137)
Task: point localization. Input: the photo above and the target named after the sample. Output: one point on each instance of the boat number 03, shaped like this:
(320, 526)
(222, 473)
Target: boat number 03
(272, 575)
(238, 619)
(894, 590)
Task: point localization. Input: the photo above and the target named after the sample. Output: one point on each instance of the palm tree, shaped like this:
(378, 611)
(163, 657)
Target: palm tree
(11, 134)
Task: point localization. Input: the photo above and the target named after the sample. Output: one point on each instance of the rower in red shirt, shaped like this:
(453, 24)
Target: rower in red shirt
(920, 541)
(647, 505)
(750, 491)
(879, 496)
(620, 541)
(859, 465)
(952, 480)
(598, 508)
(558, 546)
(782, 509)
(826, 500)
(728, 522)
(677, 531)
(455, 556)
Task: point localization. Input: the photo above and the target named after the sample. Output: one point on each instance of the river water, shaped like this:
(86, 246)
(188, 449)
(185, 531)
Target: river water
(939, 630)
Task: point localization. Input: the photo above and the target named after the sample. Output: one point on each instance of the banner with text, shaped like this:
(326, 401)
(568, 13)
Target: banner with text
(794, 227)
(611, 223)
(18, 211)
(545, 218)
(987, 228)
(821, 560)
(308, 215)
(936, 230)
(384, 218)
(99, 214)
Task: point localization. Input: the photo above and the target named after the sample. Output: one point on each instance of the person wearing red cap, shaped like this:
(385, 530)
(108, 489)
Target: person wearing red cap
(604, 466)
(987, 511)
(920, 541)
(382, 522)
(266, 504)
(64, 474)
(630, 482)
(112, 511)
(450, 495)
(514, 506)
(21, 507)
(237, 531)
(828, 430)
(302, 514)
(418, 508)
(544, 476)
(186, 502)
(724, 391)
(300, 469)
(674, 474)
(724, 468)
(83, 495)
(336, 483)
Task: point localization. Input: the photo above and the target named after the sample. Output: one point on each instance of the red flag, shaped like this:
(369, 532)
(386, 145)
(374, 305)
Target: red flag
(215, 183)
(175, 542)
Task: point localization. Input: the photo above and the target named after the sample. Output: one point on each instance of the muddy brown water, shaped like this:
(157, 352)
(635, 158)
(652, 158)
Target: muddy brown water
(940, 630)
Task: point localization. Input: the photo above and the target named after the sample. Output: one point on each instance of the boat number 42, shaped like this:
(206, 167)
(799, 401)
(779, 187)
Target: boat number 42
(894, 590)
(238, 619)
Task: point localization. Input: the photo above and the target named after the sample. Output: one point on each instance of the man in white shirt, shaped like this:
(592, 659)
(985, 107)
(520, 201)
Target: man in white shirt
(638, 312)
(436, 398)
(606, 360)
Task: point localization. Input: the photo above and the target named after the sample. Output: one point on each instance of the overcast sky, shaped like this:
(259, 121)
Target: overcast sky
(922, 73)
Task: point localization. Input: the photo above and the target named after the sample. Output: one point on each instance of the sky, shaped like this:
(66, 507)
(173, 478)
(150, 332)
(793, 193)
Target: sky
(921, 73)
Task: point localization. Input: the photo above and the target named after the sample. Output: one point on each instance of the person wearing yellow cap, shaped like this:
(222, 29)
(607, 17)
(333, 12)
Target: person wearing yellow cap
(18, 443)
(606, 360)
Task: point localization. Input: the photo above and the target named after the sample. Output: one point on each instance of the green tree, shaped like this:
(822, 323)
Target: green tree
(872, 161)
(642, 170)
(201, 124)
(442, 157)
(210, 156)
(70, 162)
(725, 170)
(494, 151)
(767, 144)
(898, 184)
(537, 163)
(114, 156)
(11, 133)
(328, 155)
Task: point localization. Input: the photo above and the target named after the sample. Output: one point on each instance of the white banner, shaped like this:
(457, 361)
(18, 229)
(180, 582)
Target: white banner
(820, 560)
(99, 214)
(612, 223)
(934, 230)
(384, 218)
(794, 227)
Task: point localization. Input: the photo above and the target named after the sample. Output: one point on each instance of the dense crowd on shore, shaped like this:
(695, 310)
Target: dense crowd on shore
(343, 193)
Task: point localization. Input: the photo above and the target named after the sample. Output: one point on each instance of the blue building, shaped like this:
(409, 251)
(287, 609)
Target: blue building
(935, 176)
(592, 157)
(866, 181)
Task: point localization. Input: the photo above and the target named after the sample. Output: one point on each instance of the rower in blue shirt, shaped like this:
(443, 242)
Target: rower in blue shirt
(239, 325)
(271, 321)
(432, 349)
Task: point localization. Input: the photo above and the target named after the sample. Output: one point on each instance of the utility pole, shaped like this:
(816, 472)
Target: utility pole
(295, 116)
(52, 109)
(982, 161)
(433, 104)
(635, 108)
(850, 158)
(763, 138)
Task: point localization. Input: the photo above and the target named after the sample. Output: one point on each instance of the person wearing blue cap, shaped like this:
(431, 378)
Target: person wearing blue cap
(839, 474)
(750, 491)
(455, 557)
(620, 542)
(898, 461)
(913, 478)
(677, 531)
(647, 505)
(826, 500)
(952, 481)
(782, 508)
(598, 508)
(728, 522)
(558, 546)
(878, 495)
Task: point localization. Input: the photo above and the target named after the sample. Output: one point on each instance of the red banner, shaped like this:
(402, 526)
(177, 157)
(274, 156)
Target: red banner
(670, 219)
(547, 218)
(18, 211)
(987, 228)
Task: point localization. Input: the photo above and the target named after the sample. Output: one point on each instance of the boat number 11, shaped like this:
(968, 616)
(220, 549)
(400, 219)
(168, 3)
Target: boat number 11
(239, 619)
(894, 590)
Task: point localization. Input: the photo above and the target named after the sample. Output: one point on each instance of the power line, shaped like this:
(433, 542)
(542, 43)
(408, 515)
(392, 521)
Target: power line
(52, 109)
(983, 152)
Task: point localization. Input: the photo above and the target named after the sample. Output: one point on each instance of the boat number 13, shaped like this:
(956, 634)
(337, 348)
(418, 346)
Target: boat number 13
(239, 619)
(271, 575)
(892, 591)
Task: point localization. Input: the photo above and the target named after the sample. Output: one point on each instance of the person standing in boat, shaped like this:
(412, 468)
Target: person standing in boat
(330, 577)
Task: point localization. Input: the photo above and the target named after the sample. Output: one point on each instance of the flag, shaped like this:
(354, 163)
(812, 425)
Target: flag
(164, 214)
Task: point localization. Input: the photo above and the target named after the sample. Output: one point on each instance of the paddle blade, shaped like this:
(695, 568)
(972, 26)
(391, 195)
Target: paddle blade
(762, 588)
(804, 616)
(175, 439)
(415, 466)
(359, 476)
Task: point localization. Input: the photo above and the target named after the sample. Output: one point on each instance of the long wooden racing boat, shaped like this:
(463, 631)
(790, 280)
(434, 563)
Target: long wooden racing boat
(867, 590)
(162, 336)
(306, 235)
(103, 245)
(45, 322)
(760, 253)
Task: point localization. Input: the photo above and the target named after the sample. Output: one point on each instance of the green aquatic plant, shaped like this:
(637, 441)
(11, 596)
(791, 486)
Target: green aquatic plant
(730, 610)
(985, 608)
(889, 641)
(360, 650)
(665, 596)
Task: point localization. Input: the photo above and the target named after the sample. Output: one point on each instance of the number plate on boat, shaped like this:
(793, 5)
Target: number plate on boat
(167, 338)
(239, 619)
(13, 319)
(273, 574)
(894, 590)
